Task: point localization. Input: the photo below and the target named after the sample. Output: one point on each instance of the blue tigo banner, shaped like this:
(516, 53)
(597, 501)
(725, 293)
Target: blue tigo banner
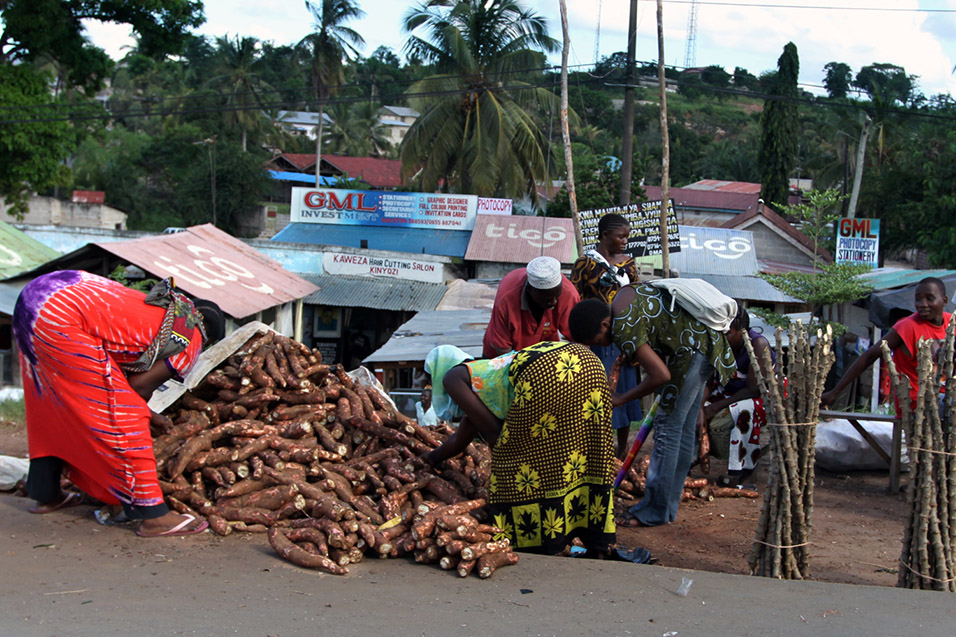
(384, 208)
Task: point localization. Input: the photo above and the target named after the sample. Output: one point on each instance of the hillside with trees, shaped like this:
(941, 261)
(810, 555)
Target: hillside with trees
(179, 106)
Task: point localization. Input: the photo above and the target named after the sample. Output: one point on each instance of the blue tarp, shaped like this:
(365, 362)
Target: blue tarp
(449, 243)
(302, 178)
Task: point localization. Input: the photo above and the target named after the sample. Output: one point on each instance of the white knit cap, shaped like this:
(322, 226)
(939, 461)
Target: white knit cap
(544, 273)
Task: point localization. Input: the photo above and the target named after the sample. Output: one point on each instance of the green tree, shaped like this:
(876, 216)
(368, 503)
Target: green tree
(837, 80)
(31, 159)
(743, 79)
(478, 131)
(39, 30)
(888, 83)
(239, 64)
(325, 48)
(357, 131)
(778, 124)
(834, 283)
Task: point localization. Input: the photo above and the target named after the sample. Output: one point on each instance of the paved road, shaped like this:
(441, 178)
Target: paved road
(62, 574)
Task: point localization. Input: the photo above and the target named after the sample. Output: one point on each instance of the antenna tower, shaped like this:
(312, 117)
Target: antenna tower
(690, 53)
(597, 34)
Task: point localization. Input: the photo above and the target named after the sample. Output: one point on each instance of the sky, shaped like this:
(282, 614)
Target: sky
(747, 33)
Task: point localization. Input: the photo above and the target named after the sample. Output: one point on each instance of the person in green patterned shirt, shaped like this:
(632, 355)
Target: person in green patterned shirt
(678, 355)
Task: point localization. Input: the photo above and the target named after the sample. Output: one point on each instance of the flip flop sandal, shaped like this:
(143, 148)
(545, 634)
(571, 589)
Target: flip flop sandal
(179, 529)
(629, 520)
(71, 499)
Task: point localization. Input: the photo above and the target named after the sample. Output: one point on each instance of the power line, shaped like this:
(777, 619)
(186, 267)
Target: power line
(759, 5)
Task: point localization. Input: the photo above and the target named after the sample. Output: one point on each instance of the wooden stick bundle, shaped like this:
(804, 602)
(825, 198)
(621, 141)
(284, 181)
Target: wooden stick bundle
(791, 397)
(928, 559)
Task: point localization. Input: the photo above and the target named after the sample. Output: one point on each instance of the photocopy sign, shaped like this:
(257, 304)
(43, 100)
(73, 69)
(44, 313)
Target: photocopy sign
(645, 220)
(858, 241)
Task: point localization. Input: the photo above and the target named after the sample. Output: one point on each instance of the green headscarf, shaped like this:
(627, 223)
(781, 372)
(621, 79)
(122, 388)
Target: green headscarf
(437, 363)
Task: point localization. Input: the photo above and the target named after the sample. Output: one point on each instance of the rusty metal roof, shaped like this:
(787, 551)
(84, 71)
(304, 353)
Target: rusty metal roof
(214, 265)
(374, 293)
(411, 342)
(518, 239)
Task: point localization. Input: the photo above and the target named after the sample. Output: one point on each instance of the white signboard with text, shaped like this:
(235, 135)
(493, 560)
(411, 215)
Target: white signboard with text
(366, 265)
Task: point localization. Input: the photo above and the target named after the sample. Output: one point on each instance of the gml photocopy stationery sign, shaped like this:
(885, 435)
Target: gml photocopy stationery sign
(436, 211)
(858, 241)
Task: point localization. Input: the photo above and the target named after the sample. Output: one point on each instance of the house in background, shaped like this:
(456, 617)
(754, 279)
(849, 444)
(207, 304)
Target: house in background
(86, 209)
(397, 119)
(780, 246)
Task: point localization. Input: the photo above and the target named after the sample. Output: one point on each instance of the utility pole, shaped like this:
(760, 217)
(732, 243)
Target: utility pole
(858, 171)
(627, 144)
(665, 143)
(565, 131)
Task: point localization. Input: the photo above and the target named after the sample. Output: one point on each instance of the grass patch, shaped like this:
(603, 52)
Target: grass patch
(13, 411)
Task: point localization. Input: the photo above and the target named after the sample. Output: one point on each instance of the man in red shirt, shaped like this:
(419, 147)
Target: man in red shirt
(928, 322)
(532, 305)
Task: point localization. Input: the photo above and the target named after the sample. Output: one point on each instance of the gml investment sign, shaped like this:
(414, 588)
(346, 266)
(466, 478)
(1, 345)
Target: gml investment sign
(858, 241)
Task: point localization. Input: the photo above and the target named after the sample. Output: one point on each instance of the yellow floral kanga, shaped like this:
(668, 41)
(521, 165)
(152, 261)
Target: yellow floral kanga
(597, 511)
(520, 359)
(553, 522)
(545, 425)
(574, 467)
(493, 484)
(503, 434)
(523, 393)
(507, 531)
(527, 479)
(568, 366)
(593, 406)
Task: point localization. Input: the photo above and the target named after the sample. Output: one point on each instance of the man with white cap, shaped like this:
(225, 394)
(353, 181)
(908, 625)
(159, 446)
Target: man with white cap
(532, 305)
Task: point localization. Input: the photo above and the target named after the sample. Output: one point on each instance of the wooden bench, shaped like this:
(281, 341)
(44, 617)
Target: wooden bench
(893, 459)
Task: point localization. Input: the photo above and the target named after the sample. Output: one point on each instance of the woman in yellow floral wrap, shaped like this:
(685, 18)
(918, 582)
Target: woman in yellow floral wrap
(551, 472)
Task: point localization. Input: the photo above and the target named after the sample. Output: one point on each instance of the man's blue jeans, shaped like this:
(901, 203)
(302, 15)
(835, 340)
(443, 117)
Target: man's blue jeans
(675, 437)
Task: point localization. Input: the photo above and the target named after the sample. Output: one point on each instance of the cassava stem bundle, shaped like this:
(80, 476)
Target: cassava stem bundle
(791, 397)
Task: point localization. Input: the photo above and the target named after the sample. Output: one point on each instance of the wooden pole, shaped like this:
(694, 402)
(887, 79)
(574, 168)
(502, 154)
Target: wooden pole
(627, 135)
(858, 171)
(565, 130)
(665, 142)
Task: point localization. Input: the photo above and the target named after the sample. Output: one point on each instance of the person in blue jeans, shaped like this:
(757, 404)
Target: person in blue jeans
(678, 355)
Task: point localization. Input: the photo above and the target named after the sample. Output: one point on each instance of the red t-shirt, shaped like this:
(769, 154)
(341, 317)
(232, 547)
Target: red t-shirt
(911, 330)
(512, 324)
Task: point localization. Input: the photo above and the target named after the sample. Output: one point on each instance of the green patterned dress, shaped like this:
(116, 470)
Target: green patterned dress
(551, 467)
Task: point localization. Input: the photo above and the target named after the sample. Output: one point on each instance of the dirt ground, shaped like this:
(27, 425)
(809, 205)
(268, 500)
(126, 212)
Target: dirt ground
(858, 525)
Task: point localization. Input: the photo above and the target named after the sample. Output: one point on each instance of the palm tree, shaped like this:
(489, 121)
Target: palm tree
(239, 63)
(357, 131)
(477, 132)
(325, 48)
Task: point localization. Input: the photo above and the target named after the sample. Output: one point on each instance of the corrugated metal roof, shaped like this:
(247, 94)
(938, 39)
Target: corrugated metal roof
(374, 293)
(717, 185)
(705, 199)
(887, 278)
(449, 243)
(746, 288)
(705, 250)
(20, 253)
(413, 340)
(518, 239)
(214, 265)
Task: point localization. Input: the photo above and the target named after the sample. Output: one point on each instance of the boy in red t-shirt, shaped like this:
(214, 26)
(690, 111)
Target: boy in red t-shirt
(928, 322)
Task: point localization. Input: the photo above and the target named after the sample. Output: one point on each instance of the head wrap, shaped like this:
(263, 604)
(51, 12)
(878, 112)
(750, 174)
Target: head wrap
(544, 273)
(437, 363)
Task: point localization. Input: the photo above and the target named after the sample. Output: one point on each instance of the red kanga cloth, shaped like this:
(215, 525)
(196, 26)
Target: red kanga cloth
(79, 405)
(514, 328)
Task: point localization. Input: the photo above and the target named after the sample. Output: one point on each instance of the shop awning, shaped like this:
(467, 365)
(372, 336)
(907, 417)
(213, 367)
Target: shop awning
(450, 243)
(374, 293)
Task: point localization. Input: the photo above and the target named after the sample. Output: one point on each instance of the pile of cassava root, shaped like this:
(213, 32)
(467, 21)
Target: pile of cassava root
(275, 441)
